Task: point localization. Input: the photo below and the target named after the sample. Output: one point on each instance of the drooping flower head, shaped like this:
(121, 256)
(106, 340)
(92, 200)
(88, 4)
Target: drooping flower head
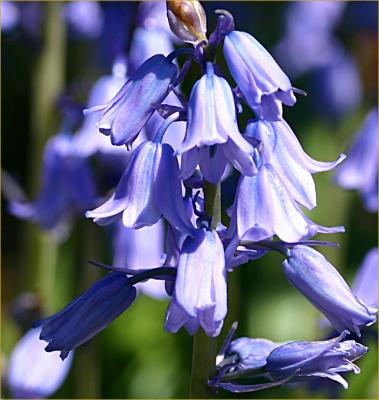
(324, 287)
(281, 363)
(127, 113)
(200, 289)
(149, 189)
(212, 121)
(263, 84)
(324, 359)
(88, 314)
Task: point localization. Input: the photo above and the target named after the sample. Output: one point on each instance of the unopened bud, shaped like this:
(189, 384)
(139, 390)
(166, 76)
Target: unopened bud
(187, 20)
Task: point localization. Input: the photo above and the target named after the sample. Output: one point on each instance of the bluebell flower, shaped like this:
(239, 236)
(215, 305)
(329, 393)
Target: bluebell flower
(309, 32)
(85, 17)
(264, 207)
(263, 84)
(365, 285)
(149, 188)
(87, 141)
(32, 373)
(200, 294)
(323, 359)
(127, 113)
(281, 149)
(285, 362)
(360, 171)
(337, 87)
(141, 249)
(9, 16)
(317, 279)
(88, 314)
(67, 186)
(152, 15)
(212, 120)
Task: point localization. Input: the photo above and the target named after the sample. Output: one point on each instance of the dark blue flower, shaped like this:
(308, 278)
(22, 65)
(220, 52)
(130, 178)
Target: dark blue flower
(88, 314)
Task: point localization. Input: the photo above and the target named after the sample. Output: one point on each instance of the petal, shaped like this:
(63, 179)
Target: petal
(189, 161)
(294, 148)
(290, 224)
(239, 154)
(168, 191)
(201, 279)
(134, 193)
(297, 179)
(127, 113)
(363, 151)
(365, 284)
(212, 166)
(32, 372)
(251, 213)
(175, 317)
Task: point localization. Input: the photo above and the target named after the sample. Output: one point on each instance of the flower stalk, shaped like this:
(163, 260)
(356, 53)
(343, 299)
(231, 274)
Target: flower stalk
(204, 347)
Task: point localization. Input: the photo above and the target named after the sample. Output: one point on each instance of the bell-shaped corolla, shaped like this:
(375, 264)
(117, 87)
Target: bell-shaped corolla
(67, 187)
(88, 140)
(127, 113)
(365, 284)
(149, 189)
(316, 278)
(200, 293)
(281, 149)
(260, 79)
(88, 314)
(360, 170)
(33, 373)
(212, 120)
(264, 207)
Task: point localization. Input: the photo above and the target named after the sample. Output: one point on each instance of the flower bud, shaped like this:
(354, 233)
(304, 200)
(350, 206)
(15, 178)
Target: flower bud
(187, 20)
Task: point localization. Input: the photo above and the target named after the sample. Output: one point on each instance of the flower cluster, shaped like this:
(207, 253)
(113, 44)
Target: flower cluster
(170, 187)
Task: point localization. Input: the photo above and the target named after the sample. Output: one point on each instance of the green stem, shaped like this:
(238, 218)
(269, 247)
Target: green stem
(205, 348)
(48, 81)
